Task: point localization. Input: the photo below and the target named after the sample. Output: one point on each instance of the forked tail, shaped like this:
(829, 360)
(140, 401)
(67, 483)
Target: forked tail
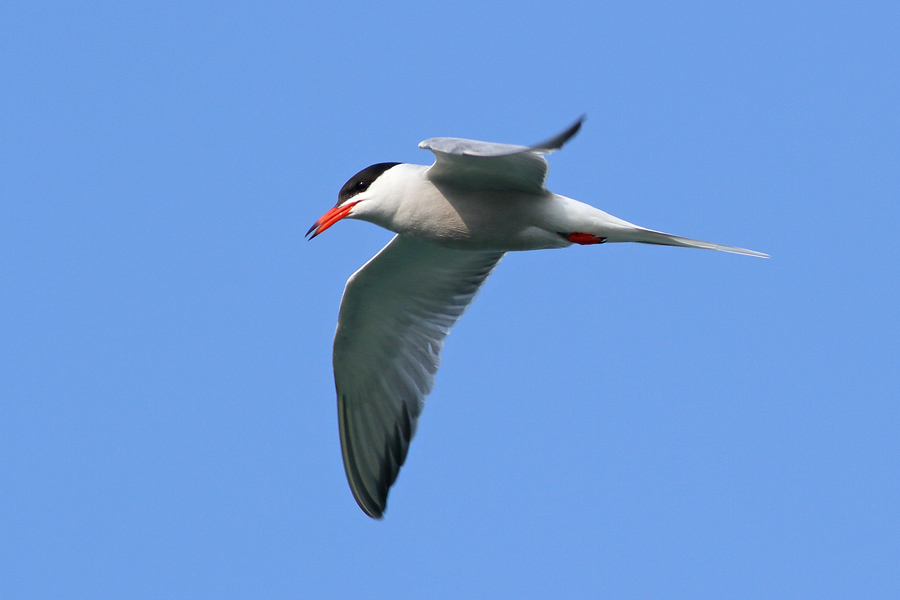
(648, 236)
(585, 224)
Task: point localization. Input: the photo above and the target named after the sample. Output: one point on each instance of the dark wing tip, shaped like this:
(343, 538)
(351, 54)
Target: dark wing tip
(555, 143)
(373, 502)
(371, 509)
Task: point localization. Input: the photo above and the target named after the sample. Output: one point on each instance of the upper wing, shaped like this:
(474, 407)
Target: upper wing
(395, 313)
(470, 163)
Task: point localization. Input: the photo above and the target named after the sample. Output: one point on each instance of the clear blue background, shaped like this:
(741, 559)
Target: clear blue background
(616, 421)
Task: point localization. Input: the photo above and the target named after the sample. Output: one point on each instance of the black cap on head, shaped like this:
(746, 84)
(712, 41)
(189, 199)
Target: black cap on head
(362, 180)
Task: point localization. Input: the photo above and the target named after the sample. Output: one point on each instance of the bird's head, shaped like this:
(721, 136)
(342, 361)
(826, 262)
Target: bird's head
(351, 198)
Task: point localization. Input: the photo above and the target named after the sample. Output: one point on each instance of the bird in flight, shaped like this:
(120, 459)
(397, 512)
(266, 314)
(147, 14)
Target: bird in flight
(454, 221)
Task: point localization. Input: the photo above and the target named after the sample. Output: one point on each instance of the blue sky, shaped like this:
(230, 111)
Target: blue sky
(615, 421)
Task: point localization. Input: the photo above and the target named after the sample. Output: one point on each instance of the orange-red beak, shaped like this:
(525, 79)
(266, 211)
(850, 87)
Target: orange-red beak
(330, 218)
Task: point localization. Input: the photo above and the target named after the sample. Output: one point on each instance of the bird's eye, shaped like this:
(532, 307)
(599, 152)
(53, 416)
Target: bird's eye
(361, 185)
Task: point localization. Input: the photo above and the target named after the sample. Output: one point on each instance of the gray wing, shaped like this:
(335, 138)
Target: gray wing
(395, 313)
(473, 164)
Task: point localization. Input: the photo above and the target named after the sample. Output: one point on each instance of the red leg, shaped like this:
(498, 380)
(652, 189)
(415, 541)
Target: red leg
(584, 238)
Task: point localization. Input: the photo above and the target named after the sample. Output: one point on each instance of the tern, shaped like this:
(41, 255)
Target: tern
(454, 221)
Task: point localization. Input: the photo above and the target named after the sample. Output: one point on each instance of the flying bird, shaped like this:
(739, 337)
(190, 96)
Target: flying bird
(454, 221)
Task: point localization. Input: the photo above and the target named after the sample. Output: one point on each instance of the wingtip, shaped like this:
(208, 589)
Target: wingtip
(368, 505)
(375, 516)
(557, 142)
(373, 507)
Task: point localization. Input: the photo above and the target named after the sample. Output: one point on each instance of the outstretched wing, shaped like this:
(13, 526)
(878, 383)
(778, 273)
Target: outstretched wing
(486, 165)
(395, 313)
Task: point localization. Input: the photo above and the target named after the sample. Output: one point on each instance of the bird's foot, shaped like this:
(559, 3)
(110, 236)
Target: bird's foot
(578, 237)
